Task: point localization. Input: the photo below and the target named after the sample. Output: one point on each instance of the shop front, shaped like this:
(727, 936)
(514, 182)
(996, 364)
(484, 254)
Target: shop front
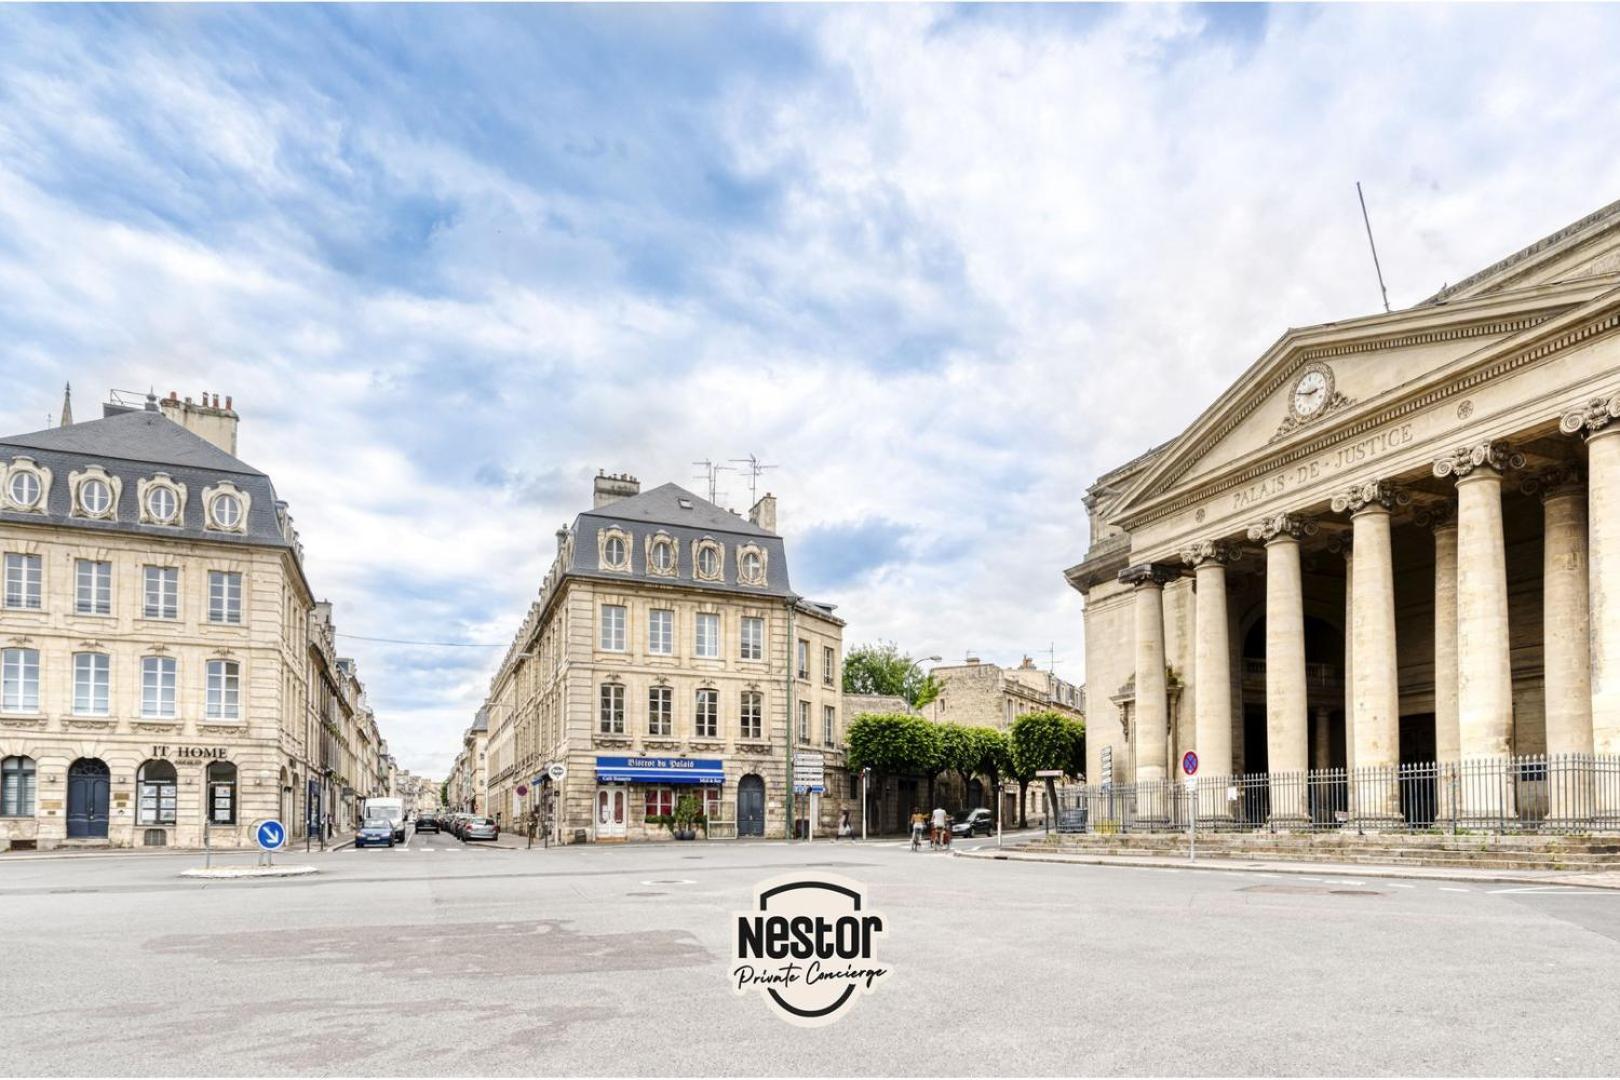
(633, 793)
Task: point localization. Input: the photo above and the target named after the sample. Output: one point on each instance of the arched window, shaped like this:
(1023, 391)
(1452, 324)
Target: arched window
(157, 786)
(17, 787)
(221, 793)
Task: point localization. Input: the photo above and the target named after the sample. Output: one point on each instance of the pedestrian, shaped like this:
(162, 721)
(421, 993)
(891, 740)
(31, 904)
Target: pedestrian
(844, 828)
(941, 827)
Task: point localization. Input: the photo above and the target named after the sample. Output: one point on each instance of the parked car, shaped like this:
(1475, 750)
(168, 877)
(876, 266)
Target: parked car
(374, 831)
(458, 822)
(479, 828)
(427, 823)
(969, 822)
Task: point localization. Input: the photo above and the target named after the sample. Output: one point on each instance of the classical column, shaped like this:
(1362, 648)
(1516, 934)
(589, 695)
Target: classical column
(1321, 752)
(1375, 691)
(1598, 421)
(1345, 545)
(1212, 658)
(1564, 611)
(1485, 676)
(1441, 518)
(1287, 742)
(1152, 720)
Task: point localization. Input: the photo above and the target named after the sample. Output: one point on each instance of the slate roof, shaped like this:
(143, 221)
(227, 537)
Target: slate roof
(135, 445)
(687, 518)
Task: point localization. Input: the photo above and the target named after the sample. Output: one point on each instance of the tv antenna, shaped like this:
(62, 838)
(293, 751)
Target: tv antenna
(710, 475)
(753, 470)
(1365, 220)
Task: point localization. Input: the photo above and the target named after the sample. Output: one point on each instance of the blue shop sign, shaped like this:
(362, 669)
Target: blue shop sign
(659, 770)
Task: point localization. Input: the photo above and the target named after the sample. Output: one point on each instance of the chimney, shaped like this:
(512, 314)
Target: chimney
(763, 513)
(611, 488)
(208, 419)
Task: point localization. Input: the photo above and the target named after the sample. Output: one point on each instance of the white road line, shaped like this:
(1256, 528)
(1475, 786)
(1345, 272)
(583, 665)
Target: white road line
(1399, 885)
(1549, 890)
(1447, 888)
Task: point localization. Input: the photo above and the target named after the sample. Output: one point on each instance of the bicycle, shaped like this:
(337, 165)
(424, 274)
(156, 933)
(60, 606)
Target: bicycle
(916, 838)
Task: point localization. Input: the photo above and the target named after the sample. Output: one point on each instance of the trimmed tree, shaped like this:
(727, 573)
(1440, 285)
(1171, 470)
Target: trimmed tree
(1047, 742)
(894, 744)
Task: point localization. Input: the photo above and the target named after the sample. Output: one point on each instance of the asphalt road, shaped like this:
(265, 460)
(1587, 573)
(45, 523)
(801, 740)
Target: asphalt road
(444, 958)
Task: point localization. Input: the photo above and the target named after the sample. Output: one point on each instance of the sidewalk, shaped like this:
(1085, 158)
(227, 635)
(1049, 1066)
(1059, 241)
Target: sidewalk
(1603, 880)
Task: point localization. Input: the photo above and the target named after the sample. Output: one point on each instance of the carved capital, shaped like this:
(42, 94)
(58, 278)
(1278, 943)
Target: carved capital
(1373, 494)
(1148, 574)
(1437, 515)
(1491, 455)
(1343, 544)
(1594, 416)
(1223, 552)
(1564, 478)
(1285, 526)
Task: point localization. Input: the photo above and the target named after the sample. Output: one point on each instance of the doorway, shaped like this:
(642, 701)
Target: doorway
(751, 806)
(88, 785)
(611, 802)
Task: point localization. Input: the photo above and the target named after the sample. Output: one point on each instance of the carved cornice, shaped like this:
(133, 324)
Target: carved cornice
(1594, 416)
(1492, 455)
(1148, 574)
(1374, 494)
(1282, 526)
(1223, 552)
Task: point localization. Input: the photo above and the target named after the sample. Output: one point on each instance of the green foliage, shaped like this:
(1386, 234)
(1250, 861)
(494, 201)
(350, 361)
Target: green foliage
(884, 669)
(1046, 740)
(894, 743)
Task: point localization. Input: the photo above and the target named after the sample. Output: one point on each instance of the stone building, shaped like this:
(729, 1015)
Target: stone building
(667, 654)
(977, 694)
(155, 634)
(1393, 540)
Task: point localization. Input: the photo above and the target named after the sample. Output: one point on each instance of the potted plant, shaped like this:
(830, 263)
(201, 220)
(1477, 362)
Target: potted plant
(688, 816)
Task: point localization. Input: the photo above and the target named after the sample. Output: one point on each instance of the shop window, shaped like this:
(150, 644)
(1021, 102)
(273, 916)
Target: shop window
(660, 802)
(221, 793)
(17, 787)
(157, 787)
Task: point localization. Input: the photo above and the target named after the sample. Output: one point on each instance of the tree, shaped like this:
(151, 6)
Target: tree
(1047, 742)
(994, 754)
(892, 744)
(883, 669)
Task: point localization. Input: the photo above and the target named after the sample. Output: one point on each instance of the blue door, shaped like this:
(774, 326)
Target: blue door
(88, 784)
(751, 806)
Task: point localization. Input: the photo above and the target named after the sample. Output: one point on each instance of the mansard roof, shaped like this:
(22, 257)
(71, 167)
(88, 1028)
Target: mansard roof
(135, 435)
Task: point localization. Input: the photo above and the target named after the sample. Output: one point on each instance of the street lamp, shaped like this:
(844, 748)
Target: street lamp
(912, 667)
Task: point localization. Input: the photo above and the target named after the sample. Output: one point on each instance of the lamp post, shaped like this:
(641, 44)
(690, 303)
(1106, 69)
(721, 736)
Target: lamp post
(912, 667)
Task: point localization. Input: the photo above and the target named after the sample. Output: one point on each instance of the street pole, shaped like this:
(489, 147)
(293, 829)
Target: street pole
(866, 804)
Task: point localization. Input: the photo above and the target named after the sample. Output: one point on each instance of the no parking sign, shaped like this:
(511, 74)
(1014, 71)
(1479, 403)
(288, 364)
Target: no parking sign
(1189, 763)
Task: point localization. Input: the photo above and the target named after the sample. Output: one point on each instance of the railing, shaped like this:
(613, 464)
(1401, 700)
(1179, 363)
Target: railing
(1567, 793)
(1316, 673)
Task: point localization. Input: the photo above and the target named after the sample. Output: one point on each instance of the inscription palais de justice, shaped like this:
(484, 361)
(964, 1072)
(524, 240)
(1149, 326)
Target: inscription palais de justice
(1281, 480)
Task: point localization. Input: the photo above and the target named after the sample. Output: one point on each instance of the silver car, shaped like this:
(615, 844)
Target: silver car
(479, 828)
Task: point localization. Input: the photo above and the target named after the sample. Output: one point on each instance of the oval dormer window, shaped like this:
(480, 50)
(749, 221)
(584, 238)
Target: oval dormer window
(161, 505)
(663, 555)
(24, 489)
(95, 497)
(615, 551)
(709, 562)
(227, 511)
(751, 566)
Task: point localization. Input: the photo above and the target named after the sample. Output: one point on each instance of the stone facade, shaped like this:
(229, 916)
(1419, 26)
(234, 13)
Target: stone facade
(1384, 544)
(156, 638)
(666, 632)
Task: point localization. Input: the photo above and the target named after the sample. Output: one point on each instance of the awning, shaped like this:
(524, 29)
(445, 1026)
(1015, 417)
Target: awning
(659, 770)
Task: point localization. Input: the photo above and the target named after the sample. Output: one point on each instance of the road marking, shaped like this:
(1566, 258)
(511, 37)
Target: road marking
(1399, 885)
(1549, 890)
(1447, 888)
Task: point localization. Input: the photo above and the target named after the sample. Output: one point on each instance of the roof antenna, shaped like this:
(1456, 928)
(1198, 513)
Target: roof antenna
(1368, 222)
(711, 473)
(753, 470)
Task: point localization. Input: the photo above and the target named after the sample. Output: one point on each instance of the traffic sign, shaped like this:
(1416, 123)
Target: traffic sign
(1189, 763)
(522, 790)
(556, 770)
(270, 834)
(809, 773)
(1054, 774)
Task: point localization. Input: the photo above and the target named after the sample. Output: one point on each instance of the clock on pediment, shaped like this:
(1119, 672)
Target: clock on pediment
(1312, 391)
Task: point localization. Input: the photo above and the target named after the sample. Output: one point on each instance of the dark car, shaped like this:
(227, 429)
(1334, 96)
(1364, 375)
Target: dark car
(479, 828)
(969, 822)
(427, 823)
(375, 831)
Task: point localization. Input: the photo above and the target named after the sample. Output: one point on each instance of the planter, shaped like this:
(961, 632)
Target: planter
(686, 834)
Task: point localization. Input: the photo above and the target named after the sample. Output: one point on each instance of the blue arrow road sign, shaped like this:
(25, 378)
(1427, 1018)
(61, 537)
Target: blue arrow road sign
(271, 835)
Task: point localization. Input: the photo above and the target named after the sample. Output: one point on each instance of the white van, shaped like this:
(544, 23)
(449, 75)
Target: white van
(392, 809)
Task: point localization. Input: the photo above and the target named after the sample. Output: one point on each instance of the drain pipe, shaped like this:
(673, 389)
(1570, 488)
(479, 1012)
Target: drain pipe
(791, 709)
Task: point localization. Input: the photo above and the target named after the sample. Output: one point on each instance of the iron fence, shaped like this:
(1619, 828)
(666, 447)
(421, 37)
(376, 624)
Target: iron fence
(1565, 793)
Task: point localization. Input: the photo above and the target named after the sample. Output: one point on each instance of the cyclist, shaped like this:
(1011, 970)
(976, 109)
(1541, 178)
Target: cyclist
(918, 823)
(942, 827)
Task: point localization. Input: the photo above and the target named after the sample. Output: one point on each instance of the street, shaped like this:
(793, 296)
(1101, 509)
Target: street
(443, 958)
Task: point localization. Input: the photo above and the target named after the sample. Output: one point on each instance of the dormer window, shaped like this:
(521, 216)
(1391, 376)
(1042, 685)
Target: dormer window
(662, 555)
(613, 550)
(751, 565)
(162, 505)
(94, 493)
(227, 511)
(26, 485)
(24, 490)
(707, 561)
(95, 497)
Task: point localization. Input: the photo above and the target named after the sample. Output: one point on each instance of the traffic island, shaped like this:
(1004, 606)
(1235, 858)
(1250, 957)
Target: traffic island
(231, 873)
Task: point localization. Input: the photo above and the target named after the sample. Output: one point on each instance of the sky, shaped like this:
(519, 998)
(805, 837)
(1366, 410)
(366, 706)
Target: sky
(940, 266)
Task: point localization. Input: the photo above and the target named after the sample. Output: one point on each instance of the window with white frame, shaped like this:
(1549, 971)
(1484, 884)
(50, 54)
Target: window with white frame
(753, 714)
(612, 709)
(660, 711)
(661, 632)
(224, 690)
(158, 680)
(92, 682)
(708, 636)
(92, 587)
(829, 665)
(25, 575)
(753, 638)
(95, 497)
(224, 597)
(615, 553)
(227, 510)
(612, 637)
(24, 489)
(804, 659)
(17, 787)
(804, 721)
(829, 726)
(708, 714)
(19, 681)
(162, 504)
(708, 560)
(161, 592)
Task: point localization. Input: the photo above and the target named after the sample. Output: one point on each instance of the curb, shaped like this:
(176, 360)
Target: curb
(1417, 873)
(233, 873)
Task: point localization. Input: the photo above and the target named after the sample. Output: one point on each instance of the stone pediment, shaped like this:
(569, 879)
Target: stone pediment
(1584, 250)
